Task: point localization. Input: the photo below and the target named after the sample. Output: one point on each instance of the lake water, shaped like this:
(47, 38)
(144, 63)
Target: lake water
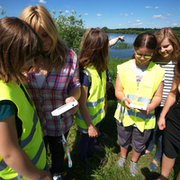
(122, 53)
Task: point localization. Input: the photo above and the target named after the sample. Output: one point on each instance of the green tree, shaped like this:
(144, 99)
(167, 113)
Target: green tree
(2, 12)
(70, 28)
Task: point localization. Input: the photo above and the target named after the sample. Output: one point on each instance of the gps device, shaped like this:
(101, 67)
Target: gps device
(64, 108)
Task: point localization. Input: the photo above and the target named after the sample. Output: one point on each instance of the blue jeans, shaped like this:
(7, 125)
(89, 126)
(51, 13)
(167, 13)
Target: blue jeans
(156, 134)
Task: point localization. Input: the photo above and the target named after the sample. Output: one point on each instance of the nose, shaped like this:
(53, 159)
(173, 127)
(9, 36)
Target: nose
(162, 49)
(142, 57)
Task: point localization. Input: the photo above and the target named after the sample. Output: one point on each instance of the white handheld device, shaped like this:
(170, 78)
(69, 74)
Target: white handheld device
(62, 109)
(138, 105)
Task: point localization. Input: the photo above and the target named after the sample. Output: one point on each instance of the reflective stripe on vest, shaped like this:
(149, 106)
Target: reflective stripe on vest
(148, 86)
(31, 140)
(95, 101)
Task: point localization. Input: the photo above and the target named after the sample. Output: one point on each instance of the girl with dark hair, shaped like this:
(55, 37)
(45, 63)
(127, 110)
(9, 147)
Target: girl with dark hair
(22, 151)
(140, 82)
(93, 58)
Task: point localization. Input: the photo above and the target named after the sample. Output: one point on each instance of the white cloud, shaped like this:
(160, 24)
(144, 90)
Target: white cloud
(99, 14)
(120, 24)
(85, 14)
(174, 24)
(129, 21)
(156, 7)
(148, 7)
(169, 14)
(0, 6)
(131, 13)
(138, 20)
(139, 23)
(126, 14)
(67, 11)
(121, 14)
(42, 1)
(159, 16)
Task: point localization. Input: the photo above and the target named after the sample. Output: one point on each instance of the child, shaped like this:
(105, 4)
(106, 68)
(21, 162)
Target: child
(93, 57)
(138, 80)
(22, 151)
(52, 82)
(166, 56)
(169, 120)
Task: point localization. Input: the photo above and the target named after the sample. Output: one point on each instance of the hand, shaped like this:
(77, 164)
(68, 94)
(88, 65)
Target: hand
(162, 123)
(73, 110)
(92, 131)
(45, 175)
(121, 38)
(127, 102)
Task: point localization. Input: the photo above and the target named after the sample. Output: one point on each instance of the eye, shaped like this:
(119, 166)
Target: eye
(45, 34)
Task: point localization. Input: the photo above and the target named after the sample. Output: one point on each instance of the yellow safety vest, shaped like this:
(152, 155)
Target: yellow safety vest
(95, 101)
(31, 140)
(148, 86)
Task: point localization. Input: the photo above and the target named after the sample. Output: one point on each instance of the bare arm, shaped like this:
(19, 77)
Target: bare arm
(115, 40)
(170, 100)
(92, 130)
(12, 153)
(119, 92)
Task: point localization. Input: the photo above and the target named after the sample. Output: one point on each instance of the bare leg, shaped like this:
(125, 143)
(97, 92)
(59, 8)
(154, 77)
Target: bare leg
(155, 162)
(123, 152)
(135, 155)
(167, 165)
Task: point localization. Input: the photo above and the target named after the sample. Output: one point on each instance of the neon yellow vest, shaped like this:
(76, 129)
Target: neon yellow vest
(95, 101)
(31, 140)
(148, 86)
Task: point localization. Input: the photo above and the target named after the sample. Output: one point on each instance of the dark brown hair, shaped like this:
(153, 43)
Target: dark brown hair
(94, 49)
(18, 42)
(147, 40)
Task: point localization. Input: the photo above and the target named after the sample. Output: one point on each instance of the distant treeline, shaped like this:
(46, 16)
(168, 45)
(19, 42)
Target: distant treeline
(138, 30)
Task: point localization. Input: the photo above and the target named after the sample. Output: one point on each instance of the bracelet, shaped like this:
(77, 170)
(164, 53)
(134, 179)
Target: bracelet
(123, 100)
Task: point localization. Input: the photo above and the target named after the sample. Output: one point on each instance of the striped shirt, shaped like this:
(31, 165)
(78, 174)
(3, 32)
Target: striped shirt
(52, 94)
(169, 68)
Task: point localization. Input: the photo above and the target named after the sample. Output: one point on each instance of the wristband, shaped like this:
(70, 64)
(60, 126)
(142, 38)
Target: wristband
(123, 100)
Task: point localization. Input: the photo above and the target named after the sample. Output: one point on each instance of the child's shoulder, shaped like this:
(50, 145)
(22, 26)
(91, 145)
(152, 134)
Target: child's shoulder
(126, 63)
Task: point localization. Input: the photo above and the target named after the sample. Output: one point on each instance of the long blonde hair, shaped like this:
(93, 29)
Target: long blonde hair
(38, 16)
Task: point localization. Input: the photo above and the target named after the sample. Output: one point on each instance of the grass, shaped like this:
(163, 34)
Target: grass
(111, 151)
(123, 45)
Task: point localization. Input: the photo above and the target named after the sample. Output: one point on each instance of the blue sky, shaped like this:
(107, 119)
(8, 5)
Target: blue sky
(110, 13)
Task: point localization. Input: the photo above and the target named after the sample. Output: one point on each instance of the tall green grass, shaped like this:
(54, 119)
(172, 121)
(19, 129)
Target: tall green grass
(111, 150)
(123, 45)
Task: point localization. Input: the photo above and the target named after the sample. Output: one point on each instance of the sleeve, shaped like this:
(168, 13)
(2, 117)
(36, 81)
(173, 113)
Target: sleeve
(7, 109)
(74, 64)
(108, 77)
(84, 80)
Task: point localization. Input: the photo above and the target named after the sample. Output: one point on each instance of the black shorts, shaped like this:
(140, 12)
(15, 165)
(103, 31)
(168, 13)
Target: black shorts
(170, 149)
